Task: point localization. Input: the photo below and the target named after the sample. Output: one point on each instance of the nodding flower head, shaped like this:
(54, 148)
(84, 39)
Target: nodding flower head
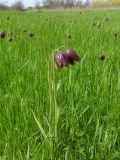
(115, 34)
(10, 39)
(72, 56)
(2, 34)
(7, 18)
(30, 34)
(60, 59)
(102, 57)
(69, 35)
(24, 30)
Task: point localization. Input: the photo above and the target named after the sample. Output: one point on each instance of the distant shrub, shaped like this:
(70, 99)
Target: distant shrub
(107, 3)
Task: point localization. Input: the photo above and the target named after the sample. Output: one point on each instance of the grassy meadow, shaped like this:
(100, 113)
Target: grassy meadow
(47, 113)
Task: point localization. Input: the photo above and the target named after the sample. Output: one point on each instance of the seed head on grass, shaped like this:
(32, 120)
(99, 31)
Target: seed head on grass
(98, 24)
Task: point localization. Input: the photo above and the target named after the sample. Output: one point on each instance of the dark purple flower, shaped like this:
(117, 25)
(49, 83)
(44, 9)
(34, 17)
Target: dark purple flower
(60, 59)
(24, 30)
(102, 57)
(94, 23)
(115, 34)
(10, 39)
(69, 36)
(2, 34)
(72, 56)
(30, 34)
(106, 18)
(8, 18)
(10, 33)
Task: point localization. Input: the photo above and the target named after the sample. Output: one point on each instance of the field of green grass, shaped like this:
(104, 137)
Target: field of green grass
(47, 113)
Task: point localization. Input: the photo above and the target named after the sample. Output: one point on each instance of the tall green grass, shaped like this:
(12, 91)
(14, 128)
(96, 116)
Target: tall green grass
(48, 113)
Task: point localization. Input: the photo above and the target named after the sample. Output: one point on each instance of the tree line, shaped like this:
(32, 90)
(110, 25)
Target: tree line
(48, 4)
(18, 5)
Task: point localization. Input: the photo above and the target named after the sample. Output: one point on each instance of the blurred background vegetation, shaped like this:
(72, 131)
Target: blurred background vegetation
(105, 3)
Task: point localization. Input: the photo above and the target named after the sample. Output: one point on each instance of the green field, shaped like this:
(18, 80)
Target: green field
(47, 113)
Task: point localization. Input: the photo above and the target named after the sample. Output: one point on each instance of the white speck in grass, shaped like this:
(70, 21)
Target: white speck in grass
(9, 49)
(58, 85)
(6, 96)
